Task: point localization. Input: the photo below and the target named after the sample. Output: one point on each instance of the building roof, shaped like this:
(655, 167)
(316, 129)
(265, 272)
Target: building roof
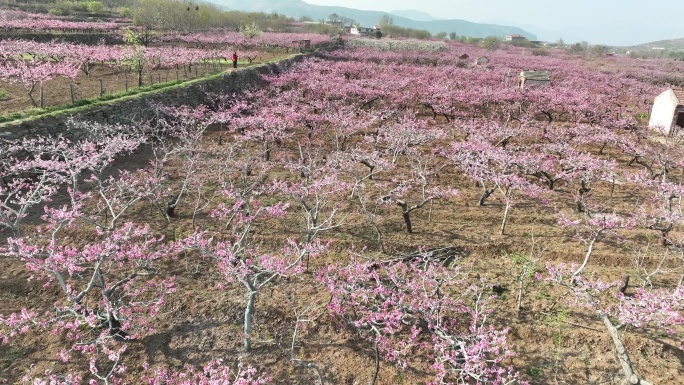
(679, 93)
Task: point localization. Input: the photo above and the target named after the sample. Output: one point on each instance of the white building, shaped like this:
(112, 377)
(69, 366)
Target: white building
(364, 31)
(667, 114)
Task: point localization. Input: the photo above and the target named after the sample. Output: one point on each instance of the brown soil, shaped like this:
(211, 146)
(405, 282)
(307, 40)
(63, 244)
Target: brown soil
(556, 343)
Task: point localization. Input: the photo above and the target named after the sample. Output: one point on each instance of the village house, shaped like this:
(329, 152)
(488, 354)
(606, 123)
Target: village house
(364, 31)
(667, 114)
(527, 78)
(515, 37)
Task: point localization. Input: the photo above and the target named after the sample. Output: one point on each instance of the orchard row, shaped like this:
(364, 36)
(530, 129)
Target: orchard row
(260, 186)
(33, 64)
(17, 20)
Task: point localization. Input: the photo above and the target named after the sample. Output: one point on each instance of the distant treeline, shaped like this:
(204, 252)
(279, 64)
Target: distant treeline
(160, 15)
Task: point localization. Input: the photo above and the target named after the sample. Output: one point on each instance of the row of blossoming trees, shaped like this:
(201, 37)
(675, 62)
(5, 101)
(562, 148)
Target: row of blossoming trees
(320, 190)
(34, 64)
(11, 20)
(19, 21)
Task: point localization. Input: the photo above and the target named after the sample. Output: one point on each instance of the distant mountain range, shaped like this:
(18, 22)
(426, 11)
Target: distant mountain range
(413, 15)
(406, 19)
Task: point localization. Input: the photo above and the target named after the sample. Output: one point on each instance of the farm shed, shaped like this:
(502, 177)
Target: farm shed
(527, 78)
(304, 44)
(667, 113)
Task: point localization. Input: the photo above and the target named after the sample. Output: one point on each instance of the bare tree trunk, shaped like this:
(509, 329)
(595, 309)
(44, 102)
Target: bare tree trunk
(631, 378)
(302, 363)
(505, 217)
(520, 288)
(71, 91)
(377, 364)
(267, 151)
(407, 220)
(249, 311)
(30, 95)
(365, 163)
(590, 250)
(405, 213)
(171, 206)
(42, 99)
(371, 219)
(485, 195)
(625, 284)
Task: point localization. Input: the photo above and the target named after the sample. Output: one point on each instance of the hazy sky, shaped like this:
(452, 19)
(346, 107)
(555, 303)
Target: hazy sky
(615, 22)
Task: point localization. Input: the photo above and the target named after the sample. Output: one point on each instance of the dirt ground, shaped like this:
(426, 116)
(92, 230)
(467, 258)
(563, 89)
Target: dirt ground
(556, 344)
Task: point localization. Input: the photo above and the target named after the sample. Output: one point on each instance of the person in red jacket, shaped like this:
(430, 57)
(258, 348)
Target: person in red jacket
(234, 58)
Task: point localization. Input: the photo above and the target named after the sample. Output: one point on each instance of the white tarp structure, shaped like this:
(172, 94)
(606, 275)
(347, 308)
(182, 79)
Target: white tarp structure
(667, 114)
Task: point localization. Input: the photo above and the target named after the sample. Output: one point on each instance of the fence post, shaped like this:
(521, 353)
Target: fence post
(102, 90)
(71, 91)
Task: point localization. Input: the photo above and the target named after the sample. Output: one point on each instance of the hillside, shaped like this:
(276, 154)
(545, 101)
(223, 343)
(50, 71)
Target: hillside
(670, 44)
(298, 8)
(413, 15)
